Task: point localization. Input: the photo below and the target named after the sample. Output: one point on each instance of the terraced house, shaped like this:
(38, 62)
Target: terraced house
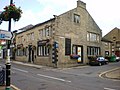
(74, 34)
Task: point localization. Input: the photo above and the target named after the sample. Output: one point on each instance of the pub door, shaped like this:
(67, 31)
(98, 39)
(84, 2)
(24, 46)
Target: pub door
(30, 54)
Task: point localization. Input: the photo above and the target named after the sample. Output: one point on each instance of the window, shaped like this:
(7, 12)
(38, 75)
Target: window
(93, 50)
(30, 36)
(67, 46)
(43, 50)
(93, 37)
(106, 53)
(20, 52)
(46, 32)
(74, 49)
(20, 39)
(76, 18)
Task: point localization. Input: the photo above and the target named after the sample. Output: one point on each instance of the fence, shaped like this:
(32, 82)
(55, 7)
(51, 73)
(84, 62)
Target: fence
(2, 77)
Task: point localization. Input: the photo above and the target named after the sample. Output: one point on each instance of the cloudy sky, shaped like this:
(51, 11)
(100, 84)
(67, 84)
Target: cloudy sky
(106, 13)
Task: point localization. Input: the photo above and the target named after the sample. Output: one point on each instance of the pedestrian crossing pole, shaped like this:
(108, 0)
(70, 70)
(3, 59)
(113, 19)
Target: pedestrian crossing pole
(8, 64)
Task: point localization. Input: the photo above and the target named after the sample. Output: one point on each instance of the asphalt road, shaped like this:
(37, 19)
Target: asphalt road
(79, 78)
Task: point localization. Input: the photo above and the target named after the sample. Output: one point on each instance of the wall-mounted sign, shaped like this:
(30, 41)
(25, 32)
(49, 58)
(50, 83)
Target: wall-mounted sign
(6, 35)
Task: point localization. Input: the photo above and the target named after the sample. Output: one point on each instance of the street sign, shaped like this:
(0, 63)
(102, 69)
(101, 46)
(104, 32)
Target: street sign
(6, 35)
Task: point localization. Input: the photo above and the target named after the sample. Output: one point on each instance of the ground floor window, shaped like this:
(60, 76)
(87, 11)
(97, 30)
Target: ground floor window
(106, 53)
(20, 52)
(93, 51)
(43, 50)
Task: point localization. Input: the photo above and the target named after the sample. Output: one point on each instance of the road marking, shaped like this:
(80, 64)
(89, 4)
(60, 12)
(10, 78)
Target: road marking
(109, 89)
(15, 87)
(100, 75)
(54, 78)
(21, 70)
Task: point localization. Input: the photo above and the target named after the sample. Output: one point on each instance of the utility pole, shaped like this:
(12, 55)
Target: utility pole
(8, 64)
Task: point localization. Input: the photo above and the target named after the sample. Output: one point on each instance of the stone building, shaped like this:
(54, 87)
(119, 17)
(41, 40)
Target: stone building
(114, 37)
(106, 47)
(75, 33)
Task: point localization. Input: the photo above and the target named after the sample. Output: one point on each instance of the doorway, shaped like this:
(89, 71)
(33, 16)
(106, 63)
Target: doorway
(78, 50)
(30, 54)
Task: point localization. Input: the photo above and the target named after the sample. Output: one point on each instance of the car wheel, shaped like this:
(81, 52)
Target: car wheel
(100, 64)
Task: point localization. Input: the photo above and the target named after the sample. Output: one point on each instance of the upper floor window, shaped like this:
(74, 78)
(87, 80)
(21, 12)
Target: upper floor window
(93, 37)
(106, 44)
(46, 32)
(76, 18)
(30, 36)
(20, 39)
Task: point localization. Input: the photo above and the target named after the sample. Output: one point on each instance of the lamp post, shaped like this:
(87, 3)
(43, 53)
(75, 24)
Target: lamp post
(8, 64)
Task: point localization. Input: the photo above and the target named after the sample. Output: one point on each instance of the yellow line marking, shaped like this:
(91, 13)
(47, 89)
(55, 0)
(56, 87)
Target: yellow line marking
(15, 87)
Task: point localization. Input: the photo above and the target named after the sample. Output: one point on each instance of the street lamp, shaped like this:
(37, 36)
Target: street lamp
(8, 64)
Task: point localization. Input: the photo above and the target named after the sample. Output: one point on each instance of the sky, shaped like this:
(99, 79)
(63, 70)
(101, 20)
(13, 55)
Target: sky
(106, 13)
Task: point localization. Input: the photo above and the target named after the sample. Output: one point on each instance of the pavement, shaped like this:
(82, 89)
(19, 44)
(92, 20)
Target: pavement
(111, 74)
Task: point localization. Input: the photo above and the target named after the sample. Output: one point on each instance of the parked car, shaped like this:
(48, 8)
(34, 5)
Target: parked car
(98, 61)
(117, 59)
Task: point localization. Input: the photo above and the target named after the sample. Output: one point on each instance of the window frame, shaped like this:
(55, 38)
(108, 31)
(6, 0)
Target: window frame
(93, 37)
(93, 51)
(76, 18)
(67, 46)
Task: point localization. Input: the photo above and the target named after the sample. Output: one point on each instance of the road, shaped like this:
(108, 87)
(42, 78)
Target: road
(79, 78)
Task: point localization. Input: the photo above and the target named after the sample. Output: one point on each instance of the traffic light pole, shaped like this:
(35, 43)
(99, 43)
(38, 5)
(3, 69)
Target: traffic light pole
(55, 53)
(8, 64)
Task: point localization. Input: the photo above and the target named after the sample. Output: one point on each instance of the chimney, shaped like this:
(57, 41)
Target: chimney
(81, 4)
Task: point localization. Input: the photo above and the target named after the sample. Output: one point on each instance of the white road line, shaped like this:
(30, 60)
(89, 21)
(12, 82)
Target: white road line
(20, 70)
(100, 75)
(54, 78)
(109, 89)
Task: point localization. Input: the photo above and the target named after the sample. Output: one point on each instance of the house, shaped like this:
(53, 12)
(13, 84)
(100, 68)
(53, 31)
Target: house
(107, 47)
(66, 40)
(114, 37)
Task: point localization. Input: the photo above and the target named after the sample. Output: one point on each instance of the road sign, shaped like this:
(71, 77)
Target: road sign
(6, 35)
